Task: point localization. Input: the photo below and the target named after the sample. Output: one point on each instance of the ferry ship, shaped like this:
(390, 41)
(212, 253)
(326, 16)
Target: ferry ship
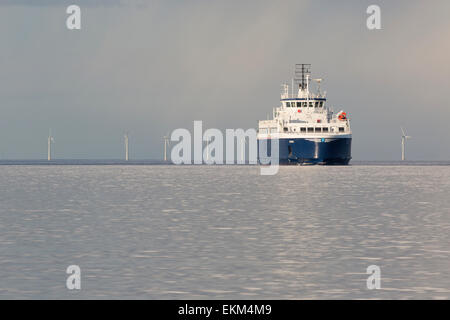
(307, 130)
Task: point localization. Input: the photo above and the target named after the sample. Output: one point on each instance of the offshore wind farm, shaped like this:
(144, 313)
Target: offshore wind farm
(306, 131)
(166, 149)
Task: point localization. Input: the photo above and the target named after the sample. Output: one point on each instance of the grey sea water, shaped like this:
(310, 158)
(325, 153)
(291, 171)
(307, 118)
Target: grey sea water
(210, 232)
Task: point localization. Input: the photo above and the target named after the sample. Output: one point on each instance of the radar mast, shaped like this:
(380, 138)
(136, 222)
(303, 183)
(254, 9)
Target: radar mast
(302, 71)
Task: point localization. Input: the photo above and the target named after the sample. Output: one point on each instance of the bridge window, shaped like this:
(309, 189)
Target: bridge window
(341, 129)
(317, 104)
(311, 104)
(299, 104)
(285, 129)
(310, 129)
(303, 129)
(325, 129)
(288, 104)
(318, 129)
(321, 104)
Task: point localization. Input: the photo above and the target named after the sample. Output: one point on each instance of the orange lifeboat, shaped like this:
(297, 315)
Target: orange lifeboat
(342, 116)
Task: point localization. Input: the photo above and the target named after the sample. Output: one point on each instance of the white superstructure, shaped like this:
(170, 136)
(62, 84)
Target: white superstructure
(304, 114)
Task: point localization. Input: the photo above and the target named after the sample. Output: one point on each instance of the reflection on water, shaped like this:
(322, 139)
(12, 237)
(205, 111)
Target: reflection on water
(224, 232)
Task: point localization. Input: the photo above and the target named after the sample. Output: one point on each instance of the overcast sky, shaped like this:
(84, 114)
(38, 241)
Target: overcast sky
(153, 66)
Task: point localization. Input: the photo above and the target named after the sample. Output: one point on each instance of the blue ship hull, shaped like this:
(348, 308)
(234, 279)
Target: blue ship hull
(334, 151)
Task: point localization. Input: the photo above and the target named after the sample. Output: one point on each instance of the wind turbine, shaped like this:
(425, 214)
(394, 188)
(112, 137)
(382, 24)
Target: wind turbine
(126, 146)
(404, 138)
(166, 143)
(50, 140)
(208, 140)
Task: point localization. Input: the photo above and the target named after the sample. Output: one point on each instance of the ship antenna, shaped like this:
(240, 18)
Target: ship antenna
(292, 88)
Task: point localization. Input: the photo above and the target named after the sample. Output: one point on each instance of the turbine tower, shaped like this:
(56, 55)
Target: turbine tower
(126, 146)
(166, 143)
(404, 138)
(208, 140)
(50, 140)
